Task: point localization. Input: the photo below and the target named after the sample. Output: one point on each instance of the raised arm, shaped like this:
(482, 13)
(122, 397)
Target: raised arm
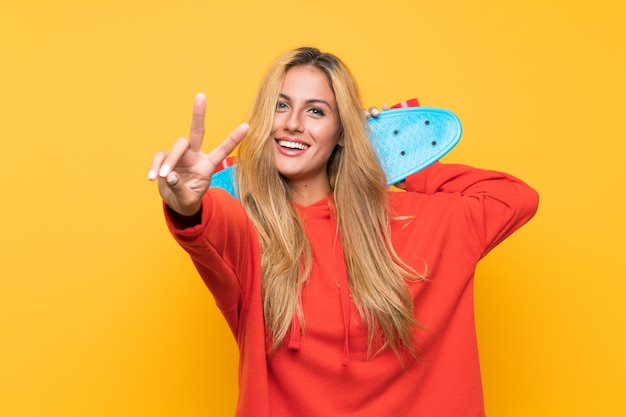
(211, 226)
(495, 203)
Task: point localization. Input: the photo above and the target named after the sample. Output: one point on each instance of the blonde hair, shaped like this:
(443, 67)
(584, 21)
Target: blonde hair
(377, 276)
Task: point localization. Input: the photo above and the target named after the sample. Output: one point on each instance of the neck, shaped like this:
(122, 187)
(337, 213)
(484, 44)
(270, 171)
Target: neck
(306, 194)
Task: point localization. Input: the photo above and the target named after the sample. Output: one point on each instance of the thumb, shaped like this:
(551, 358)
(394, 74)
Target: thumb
(182, 200)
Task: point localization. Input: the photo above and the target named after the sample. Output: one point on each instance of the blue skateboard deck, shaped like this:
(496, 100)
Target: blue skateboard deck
(406, 141)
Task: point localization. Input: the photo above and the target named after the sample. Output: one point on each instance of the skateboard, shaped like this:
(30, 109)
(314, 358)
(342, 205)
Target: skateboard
(407, 138)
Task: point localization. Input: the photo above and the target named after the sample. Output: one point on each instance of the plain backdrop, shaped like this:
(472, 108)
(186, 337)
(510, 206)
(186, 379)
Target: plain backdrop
(101, 314)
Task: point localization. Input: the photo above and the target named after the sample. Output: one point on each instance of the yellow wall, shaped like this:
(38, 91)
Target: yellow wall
(101, 314)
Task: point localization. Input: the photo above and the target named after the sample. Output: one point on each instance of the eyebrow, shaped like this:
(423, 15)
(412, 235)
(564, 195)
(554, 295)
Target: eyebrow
(310, 101)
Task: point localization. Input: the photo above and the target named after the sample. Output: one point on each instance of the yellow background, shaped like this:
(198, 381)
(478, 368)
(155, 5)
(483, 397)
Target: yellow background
(101, 314)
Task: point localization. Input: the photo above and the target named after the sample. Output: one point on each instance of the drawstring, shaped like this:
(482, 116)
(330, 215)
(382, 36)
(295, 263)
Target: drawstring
(294, 333)
(344, 292)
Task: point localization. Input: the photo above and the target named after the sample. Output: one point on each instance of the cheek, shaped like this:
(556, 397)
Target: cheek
(276, 124)
(331, 137)
(327, 133)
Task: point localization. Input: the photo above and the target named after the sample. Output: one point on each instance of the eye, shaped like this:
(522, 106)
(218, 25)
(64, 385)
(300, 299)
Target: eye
(281, 106)
(316, 111)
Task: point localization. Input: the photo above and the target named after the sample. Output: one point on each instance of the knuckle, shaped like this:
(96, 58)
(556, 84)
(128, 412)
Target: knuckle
(195, 130)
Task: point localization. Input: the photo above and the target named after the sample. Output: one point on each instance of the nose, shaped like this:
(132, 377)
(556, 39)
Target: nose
(294, 122)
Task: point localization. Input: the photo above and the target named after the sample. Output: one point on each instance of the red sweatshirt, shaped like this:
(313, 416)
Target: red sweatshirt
(458, 215)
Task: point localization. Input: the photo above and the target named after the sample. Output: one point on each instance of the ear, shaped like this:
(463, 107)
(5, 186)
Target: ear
(340, 140)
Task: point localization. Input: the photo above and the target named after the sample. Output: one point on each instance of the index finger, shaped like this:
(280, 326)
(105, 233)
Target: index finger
(228, 145)
(197, 122)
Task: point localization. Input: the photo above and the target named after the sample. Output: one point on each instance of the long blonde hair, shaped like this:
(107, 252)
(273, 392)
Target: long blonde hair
(376, 275)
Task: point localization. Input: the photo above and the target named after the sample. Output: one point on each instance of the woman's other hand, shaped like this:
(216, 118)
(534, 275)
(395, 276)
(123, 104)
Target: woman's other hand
(374, 112)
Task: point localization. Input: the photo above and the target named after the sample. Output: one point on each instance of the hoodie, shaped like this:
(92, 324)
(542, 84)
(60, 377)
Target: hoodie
(449, 218)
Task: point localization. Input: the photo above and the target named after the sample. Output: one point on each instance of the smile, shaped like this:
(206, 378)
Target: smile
(292, 145)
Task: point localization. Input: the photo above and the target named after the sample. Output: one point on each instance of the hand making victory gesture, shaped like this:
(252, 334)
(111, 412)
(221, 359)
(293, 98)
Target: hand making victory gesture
(184, 172)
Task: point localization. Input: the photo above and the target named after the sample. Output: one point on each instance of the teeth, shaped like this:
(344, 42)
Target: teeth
(292, 145)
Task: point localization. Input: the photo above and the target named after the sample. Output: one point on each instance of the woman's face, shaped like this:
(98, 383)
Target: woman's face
(306, 127)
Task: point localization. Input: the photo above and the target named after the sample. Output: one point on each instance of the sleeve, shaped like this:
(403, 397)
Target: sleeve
(495, 204)
(220, 242)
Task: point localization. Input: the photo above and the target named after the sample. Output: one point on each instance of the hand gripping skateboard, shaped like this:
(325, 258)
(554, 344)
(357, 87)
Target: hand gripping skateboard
(406, 139)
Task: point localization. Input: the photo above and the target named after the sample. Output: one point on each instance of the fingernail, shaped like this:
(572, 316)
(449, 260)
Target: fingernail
(165, 169)
(152, 175)
(172, 180)
(375, 112)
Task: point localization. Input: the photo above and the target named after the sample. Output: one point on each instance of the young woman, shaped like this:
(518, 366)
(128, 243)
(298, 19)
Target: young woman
(346, 299)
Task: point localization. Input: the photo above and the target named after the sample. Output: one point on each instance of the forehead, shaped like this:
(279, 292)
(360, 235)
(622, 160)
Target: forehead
(307, 83)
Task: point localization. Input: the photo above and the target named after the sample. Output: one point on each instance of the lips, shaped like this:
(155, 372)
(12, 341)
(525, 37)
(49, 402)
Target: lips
(290, 146)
